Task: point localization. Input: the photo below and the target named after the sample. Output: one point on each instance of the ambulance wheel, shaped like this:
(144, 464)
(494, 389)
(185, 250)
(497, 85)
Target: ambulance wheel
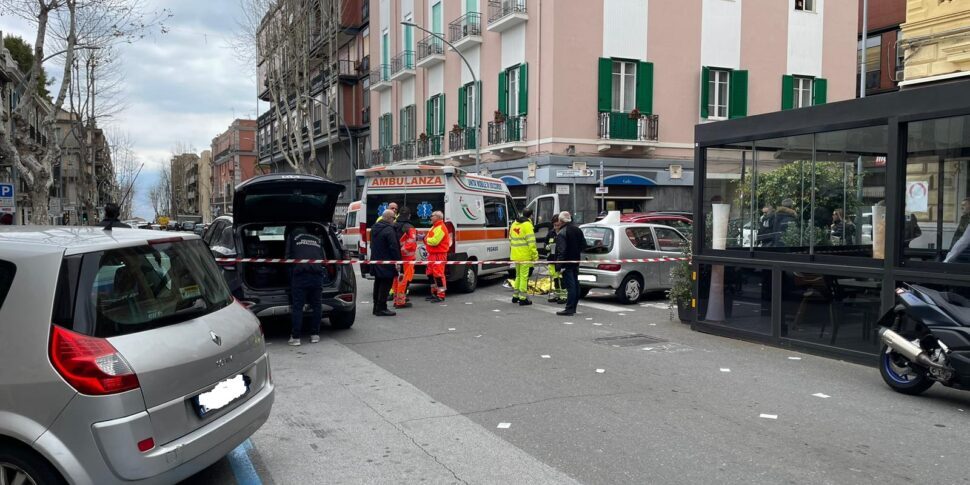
(468, 281)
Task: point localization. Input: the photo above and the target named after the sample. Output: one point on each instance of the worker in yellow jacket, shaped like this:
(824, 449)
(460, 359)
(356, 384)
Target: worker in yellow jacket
(523, 241)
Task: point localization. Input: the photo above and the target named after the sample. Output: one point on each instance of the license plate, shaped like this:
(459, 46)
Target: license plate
(222, 395)
(587, 277)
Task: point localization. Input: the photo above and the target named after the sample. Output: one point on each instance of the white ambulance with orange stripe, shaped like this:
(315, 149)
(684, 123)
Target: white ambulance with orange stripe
(478, 212)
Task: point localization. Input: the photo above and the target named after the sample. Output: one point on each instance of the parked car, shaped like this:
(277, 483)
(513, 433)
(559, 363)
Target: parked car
(123, 358)
(265, 211)
(611, 239)
(350, 234)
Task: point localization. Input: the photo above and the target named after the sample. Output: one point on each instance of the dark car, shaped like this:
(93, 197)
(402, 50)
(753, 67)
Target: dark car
(266, 209)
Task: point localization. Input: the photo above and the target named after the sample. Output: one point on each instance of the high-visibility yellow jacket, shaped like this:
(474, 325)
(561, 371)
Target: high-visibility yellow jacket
(438, 240)
(523, 240)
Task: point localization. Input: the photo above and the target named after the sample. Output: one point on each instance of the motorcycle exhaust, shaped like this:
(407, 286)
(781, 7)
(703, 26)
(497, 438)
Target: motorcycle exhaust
(907, 349)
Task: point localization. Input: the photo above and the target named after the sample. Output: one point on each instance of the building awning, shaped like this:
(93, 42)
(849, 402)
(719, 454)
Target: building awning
(511, 181)
(629, 179)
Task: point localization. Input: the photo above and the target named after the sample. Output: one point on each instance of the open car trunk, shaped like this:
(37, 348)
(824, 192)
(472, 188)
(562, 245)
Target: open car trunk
(268, 240)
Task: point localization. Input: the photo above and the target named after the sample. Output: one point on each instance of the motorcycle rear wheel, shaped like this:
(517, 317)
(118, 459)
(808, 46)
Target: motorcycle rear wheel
(901, 375)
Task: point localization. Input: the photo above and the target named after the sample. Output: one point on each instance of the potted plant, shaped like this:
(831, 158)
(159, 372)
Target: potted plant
(635, 114)
(499, 117)
(423, 137)
(455, 128)
(681, 292)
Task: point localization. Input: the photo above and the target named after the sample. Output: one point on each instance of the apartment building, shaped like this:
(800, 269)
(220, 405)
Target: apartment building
(184, 185)
(205, 185)
(234, 161)
(555, 85)
(883, 60)
(319, 118)
(936, 41)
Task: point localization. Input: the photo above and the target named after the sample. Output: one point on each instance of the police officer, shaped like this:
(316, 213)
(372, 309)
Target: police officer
(306, 283)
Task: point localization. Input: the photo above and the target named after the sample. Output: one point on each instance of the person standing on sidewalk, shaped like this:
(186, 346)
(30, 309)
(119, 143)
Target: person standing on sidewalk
(557, 292)
(522, 238)
(306, 283)
(570, 244)
(409, 247)
(437, 242)
(384, 247)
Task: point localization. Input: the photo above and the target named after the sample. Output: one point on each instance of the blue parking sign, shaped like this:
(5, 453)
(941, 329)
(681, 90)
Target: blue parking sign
(6, 195)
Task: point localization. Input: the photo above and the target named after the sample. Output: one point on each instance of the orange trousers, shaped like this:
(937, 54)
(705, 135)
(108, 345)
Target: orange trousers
(400, 288)
(439, 284)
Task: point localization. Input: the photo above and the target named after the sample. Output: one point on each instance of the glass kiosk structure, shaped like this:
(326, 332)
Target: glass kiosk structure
(806, 220)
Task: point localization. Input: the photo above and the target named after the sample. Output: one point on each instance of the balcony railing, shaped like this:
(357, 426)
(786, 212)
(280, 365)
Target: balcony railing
(499, 9)
(402, 62)
(381, 156)
(467, 25)
(347, 68)
(463, 139)
(430, 46)
(512, 129)
(430, 146)
(380, 75)
(621, 126)
(402, 151)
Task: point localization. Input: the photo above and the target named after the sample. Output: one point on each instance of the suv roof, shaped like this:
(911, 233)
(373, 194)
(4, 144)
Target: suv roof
(74, 240)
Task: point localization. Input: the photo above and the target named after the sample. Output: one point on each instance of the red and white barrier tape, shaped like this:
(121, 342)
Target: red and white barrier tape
(365, 261)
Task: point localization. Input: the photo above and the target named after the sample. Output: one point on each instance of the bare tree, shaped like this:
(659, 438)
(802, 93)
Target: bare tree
(65, 27)
(127, 168)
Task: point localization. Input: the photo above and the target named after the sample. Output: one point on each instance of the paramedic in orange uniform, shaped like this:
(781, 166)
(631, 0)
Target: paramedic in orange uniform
(409, 247)
(437, 242)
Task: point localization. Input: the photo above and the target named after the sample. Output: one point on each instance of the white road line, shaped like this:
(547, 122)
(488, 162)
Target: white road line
(537, 306)
(605, 307)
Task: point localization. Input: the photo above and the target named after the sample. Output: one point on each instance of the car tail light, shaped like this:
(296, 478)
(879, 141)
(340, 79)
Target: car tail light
(609, 267)
(146, 444)
(347, 297)
(454, 236)
(90, 365)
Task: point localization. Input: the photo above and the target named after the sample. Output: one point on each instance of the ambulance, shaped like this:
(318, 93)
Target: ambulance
(478, 213)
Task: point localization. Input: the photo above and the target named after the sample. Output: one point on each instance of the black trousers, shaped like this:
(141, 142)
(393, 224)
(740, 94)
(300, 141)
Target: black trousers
(570, 279)
(382, 288)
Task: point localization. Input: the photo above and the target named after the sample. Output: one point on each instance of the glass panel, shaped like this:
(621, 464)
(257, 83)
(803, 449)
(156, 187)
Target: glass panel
(641, 238)
(513, 97)
(850, 186)
(735, 297)
(617, 86)
(598, 239)
(831, 310)
(495, 213)
(669, 240)
(783, 181)
(937, 209)
(629, 86)
(712, 95)
(727, 187)
(722, 94)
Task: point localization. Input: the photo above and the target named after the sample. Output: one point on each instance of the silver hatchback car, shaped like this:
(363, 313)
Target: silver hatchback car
(123, 358)
(608, 241)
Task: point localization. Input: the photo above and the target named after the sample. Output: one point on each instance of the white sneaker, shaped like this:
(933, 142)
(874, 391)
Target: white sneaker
(294, 342)
(314, 339)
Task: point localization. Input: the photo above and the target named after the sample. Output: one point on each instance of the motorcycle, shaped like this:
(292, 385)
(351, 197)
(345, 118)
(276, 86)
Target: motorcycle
(925, 339)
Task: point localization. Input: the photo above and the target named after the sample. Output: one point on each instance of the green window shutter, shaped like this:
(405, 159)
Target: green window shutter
(462, 108)
(705, 80)
(820, 91)
(523, 89)
(390, 129)
(738, 107)
(478, 103)
(428, 118)
(645, 87)
(503, 93)
(441, 114)
(605, 84)
(402, 124)
(787, 92)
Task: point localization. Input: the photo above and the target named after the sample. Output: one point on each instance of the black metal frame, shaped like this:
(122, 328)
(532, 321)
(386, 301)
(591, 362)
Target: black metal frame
(894, 110)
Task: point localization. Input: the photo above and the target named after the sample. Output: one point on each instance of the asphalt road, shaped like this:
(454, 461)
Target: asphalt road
(478, 390)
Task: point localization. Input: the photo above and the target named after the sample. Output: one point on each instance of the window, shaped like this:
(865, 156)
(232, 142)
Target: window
(598, 239)
(408, 120)
(873, 61)
(545, 208)
(805, 5)
(641, 238)
(471, 106)
(624, 86)
(512, 100)
(436, 111)
(669, 239)
(496, 214)
(803, 91)
(717, 94)
(144, 287)
(421, 205)
(437, 26)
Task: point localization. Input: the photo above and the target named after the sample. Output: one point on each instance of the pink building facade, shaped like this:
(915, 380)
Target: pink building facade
(617, 84)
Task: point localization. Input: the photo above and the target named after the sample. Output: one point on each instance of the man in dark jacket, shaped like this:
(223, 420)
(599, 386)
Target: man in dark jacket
(784, 217)
(111, 214)
(570, 243)
(384, 246)
(306, 283)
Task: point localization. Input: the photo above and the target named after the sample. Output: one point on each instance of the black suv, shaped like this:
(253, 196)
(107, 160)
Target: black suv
(266, 209)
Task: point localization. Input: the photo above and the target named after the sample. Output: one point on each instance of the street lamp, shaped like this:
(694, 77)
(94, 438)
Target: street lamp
(478, 114)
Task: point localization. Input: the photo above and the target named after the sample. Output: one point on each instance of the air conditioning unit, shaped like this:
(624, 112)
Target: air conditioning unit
(900, 75)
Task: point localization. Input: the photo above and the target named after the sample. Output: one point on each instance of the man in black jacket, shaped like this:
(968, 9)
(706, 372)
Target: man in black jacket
(570, 244)
(306, 283)
(111, 214)
(385, 246)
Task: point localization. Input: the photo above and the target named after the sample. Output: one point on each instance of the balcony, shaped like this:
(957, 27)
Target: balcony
(466, 31)
(348, 70)
(505, 14)
(625, 131)
(431, 52)
(429, 147)
(402, 66)
(402, 152)
(382, 156)
(380, 78)
(507, 136)
(461, 143)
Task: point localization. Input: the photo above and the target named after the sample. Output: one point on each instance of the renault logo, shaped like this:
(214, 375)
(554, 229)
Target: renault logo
(215, 338)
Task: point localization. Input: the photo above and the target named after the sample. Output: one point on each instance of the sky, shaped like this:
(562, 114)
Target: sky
(182, 87)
